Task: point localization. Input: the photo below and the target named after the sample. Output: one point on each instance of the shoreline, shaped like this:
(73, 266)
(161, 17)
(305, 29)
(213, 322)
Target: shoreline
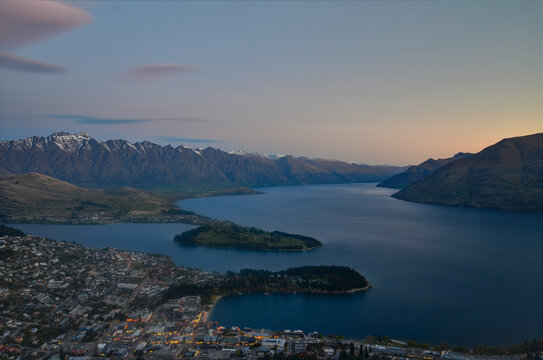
(352, 291)
(345, 292)
(217, 298)
(240, 249)
(206, 314)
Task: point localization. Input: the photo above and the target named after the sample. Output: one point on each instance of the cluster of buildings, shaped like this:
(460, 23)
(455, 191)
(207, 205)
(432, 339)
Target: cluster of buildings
(59, 298)
(62, 300)
(103, 217)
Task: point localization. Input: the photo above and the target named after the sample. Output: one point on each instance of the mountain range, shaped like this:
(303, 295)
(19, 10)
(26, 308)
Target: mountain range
(507, 175)
(82, 160)
(418, 172)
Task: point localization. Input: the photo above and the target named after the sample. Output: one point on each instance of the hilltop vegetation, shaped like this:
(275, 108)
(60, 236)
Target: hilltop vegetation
(507, 175)
(228, 235)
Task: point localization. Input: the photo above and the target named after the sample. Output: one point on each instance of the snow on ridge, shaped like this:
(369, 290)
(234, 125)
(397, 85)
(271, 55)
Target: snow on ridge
(238, 152)
(257, 154)
(75, 141)
(67, 141)
(72, 142)
(275, 156)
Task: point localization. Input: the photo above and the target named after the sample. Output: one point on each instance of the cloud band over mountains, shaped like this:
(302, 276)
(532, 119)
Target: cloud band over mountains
(186, 140)
(153, 71)
(93, 120)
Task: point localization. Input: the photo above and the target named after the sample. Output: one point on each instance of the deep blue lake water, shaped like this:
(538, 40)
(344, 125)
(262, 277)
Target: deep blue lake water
(466, 276)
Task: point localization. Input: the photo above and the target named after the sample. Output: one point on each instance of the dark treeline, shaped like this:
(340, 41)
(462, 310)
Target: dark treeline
(323, 278)
(534, 346)
(9, 231)
(304, 279)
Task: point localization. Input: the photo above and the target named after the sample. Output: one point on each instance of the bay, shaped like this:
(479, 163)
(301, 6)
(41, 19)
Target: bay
(466, 276)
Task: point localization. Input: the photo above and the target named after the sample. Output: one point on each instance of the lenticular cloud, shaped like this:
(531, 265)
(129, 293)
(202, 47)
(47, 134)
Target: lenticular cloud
(18, 63)
(27, 22)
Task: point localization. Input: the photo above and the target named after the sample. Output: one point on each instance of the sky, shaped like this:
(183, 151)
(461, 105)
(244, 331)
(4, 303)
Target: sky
(377, 82)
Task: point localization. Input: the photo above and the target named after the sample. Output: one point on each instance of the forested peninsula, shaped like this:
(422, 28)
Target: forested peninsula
(304, 279)
(232, 236)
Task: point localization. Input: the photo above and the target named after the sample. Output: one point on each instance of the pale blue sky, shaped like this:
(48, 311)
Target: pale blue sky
(371, 81)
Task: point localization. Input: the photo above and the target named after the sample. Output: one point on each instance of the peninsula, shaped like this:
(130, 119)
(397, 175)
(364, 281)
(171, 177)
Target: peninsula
(232, 236)
(304, 279)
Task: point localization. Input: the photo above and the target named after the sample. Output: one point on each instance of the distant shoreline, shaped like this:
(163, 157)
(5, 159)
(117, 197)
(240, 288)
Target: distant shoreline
(258, 250)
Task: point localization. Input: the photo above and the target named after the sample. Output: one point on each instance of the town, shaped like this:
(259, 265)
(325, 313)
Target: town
(61, 300)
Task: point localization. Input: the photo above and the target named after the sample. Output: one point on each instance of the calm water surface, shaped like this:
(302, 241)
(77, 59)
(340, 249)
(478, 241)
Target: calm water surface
(467, 276)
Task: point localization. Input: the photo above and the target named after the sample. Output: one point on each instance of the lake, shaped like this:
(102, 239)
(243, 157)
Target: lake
(466, 276)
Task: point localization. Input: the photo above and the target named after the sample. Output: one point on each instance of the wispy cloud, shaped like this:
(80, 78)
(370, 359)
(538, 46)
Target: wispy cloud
(31, 21)
(156, 71)
(86, 119)
(18, 63)
(176, 139)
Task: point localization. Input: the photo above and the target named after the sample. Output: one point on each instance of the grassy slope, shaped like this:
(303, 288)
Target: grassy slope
(40, 196)
(507, 175)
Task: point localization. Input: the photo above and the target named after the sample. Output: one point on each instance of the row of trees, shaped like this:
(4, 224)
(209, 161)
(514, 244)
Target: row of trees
(9, 231)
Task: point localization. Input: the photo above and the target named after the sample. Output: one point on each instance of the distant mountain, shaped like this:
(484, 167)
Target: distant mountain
(80, 159)
(419, 172)
(507, 175)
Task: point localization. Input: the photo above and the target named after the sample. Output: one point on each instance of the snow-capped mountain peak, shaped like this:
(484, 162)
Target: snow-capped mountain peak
(67, 141)
(238, 152)
(274, 156)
